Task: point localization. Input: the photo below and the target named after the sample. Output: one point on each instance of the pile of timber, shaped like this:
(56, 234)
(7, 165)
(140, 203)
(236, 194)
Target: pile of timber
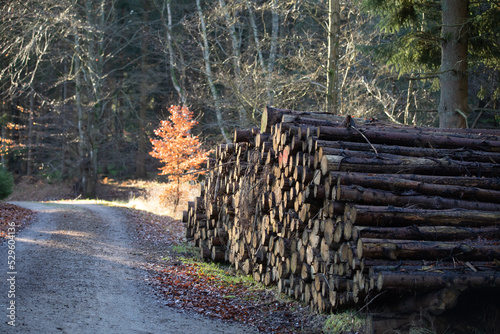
(337, 210)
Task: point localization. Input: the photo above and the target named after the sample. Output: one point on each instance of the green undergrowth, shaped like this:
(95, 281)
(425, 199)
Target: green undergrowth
(224, 273)
(348, 321)
(187, 250)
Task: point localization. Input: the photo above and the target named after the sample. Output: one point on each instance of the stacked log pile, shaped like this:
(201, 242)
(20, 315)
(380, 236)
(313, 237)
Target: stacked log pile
(336, 210)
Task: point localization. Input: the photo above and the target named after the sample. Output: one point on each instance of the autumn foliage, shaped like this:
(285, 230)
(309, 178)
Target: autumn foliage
(178, 150)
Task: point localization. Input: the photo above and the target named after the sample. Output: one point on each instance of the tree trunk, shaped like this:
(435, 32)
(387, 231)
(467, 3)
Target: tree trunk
(274, 48)
(332, 65)
(3, 136)
(236, 57)
(83, 170)
(255, 34)
(258, 47)
(29, 169)
(453, 104)
(140, 160)
(64, 147)
(178, 85)
(208, 72)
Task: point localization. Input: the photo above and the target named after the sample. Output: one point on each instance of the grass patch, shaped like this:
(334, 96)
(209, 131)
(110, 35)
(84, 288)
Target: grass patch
(187, 250)
(346, 322)
(223, 273)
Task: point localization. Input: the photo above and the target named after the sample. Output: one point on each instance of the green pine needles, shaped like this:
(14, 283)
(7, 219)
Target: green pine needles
(6, 183)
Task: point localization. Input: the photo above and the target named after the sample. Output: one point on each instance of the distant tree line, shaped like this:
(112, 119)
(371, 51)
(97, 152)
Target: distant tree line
(84, 83)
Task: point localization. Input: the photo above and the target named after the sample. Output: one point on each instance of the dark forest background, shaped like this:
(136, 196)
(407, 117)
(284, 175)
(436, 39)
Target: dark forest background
(84, 83)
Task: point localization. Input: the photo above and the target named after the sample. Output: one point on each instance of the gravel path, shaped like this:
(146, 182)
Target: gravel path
(76, 272)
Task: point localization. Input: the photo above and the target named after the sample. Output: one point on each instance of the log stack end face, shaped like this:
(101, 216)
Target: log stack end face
(354, 211)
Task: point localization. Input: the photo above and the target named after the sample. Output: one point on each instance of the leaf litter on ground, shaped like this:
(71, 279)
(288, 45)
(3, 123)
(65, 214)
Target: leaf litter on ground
(10, 213)
(183, 281)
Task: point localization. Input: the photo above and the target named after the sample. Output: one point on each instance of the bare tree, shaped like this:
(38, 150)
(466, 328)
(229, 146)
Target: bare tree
(208, 71)
(332, 67)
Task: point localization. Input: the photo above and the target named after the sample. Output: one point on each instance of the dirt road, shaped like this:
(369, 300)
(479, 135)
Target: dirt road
(76, 271)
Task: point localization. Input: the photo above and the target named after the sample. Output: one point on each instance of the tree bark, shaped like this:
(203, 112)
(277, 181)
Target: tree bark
(140, 159)
(431, 280)
(236, 57)
(401, 185)
(365, 215)
(453, 103)
(393, 249)
(178, 85)
(83, 169)
(430, 233)
(465, 181)
(208, 72)
(462, 154)
(406, 165)
(368, 196)
(332, 67)
(274, 48)
(31, 115)
(419, 138)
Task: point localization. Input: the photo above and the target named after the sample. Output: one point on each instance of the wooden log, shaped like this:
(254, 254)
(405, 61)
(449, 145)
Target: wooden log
(380, 197)
(243, 135)
(329, 229)
(327, 252)
(346, 253)
(434, 302)
(306, 273)
(482, 182)
(461, 154)
(427, 250)
(408, 165)
(307, 121)
(282, 247)
(295, 229)
(205, 252)
(217, 254)
(272, 116)
(431, 233)
(262, 138)
(379, 136)
(324, 304)
(399, 185)
(392, 216)
(295, 264)
(375, 266)
(462, 133)
(423, 265)
(311, 254)
(432, 280)
(334, 208)
(282, 270)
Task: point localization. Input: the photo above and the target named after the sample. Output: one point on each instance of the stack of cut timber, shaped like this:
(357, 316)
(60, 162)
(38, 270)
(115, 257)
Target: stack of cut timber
(335, 210)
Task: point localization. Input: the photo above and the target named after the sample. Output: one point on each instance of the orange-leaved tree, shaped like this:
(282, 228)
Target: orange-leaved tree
(178, 150)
